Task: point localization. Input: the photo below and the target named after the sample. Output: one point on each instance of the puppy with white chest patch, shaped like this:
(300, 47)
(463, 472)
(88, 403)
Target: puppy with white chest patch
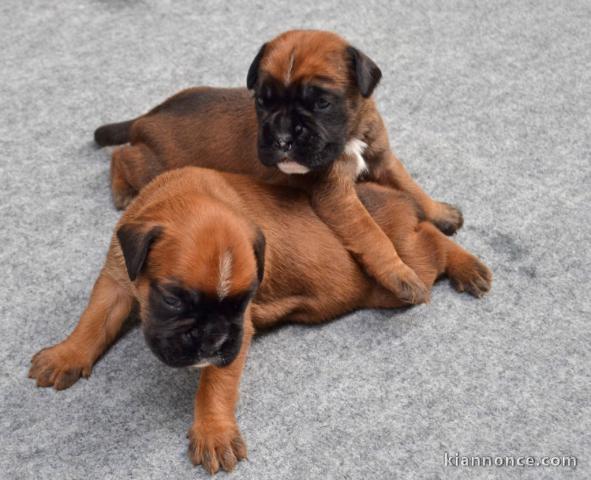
(312, 124)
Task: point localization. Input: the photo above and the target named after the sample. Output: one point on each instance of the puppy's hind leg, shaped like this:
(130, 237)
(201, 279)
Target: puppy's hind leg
(422, 246)
(122, 192)
(63, 364)
(465, 272)
(132, 167)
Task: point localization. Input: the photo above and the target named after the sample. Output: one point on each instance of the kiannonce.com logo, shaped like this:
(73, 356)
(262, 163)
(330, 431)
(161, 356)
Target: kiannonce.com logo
(457, 460)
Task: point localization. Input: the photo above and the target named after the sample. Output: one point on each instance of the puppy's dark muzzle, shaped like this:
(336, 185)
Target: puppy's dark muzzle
(184, 349)
(283, 143)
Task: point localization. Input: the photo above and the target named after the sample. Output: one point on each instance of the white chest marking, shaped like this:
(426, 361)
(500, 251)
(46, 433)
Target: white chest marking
(355, 149)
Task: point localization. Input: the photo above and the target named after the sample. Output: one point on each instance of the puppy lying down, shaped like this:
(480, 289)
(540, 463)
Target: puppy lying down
(210, 257)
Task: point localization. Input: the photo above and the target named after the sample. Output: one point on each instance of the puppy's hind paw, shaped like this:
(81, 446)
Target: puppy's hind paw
(448, 218)
(471, 276)
(121, 200)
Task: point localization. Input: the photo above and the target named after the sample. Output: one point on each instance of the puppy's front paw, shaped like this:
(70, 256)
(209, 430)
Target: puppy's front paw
(447, 218)
(408, 287)
(59, 366)
(216, 445)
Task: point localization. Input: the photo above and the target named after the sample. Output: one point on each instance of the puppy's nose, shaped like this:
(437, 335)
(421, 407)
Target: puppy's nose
(284, 142)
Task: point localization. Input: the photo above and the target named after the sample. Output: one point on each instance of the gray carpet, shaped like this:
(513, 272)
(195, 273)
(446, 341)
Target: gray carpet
(487, 103)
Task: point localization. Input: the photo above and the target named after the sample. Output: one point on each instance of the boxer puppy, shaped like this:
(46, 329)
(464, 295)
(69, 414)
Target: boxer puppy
(192, 264)
(312, 123)
(190, 250)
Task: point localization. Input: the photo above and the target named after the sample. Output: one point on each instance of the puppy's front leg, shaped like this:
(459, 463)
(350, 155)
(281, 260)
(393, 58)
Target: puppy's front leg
(336, 202)
(214, 438)
(63, 364)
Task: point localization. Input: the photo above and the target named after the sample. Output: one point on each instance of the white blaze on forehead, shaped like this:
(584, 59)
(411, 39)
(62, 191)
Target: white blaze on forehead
(355, 149)
(290, 68)
(225, 271)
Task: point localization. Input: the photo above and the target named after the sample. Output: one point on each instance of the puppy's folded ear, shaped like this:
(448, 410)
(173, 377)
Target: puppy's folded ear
(259, 246)
(253, 71)
(365, 71)
(135, 240)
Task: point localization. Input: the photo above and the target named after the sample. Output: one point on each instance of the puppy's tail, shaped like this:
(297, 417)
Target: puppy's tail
(113, 133)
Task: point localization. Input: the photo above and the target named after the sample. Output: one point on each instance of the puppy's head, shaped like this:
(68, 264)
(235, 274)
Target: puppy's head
(195, 269)
(309, 88)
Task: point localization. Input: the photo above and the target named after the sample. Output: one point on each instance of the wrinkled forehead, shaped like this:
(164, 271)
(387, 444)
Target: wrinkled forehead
(211, 263)
(322, 65)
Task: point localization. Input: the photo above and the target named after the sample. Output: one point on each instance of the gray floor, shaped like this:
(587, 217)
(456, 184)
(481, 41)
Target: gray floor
(489, 106)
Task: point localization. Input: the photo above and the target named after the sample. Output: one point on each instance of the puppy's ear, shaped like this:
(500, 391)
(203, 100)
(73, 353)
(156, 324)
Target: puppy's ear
(259, 246)
(253, 71)
(135, 240)
(365, 71)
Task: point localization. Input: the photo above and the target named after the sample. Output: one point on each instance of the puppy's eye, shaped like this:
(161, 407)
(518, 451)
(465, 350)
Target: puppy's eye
(172, 301)
(321, 104)
(264, 101)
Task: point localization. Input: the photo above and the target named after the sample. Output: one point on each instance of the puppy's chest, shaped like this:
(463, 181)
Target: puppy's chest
(355, 149)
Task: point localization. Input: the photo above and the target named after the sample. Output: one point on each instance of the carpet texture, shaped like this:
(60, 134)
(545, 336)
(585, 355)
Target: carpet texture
(487, 103)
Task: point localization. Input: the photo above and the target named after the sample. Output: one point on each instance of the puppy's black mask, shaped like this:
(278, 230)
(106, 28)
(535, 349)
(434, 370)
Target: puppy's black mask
(303, 123)
(185, 327)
